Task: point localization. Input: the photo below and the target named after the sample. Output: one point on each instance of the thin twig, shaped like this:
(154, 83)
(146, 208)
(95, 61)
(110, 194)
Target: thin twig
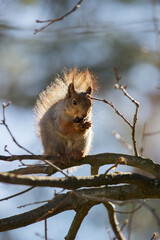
(113, 106)
(152, 133)
(30, 204)
(152, 210)
(4, 106)
(143, 144)
(42, 237)
(55, 167)
(45, 228)
(124, 224)
(109, 234)
(17, 194)
(120, 160)
(122, 141)
(13, 138)
(155, 18)
(153, 236)
(131, 222)
(133, 125)
(55, 208)
(144, 135)
(6, 150)
(130, 212)
(51, 21)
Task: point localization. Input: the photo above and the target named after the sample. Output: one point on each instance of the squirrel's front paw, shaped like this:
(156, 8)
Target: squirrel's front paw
(86, 125)
(82, 126)
(76, 126)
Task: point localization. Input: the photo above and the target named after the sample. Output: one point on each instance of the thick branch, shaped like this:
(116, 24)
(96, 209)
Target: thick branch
(94, 160)
(78, 182)
(77, 221)
(119, 193)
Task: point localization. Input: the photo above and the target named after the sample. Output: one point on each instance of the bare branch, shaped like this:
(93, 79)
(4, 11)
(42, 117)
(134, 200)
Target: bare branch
(155, 236)
(45, 228)
(152, 133)
(120, 160)
(130, 212)
(51, 21)
(152, 210)
(6, 150)
(143, 182)
(30, 204)
(4, 106)
(124, 224)
(77, 221)
(55, 167)
(143, 140)
(113, 106)
(99, 160)
(119, 193)
(52, 210)
(123, 89)
(130, 222)
(109, 234)
(146, 134)
(133, 126)
(17, 194)
(155, 17)
(113, 221)
(122, 141)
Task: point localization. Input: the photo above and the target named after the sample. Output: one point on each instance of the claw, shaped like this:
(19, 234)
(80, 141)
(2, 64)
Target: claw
(73, 156)
(77, 155)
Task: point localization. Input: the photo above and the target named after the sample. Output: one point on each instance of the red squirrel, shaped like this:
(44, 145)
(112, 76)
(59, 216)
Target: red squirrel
(64, 112)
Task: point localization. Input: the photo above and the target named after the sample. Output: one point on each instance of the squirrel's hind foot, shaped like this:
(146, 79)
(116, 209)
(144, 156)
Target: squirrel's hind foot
(65, 159)
(77, 155)
(73, 156)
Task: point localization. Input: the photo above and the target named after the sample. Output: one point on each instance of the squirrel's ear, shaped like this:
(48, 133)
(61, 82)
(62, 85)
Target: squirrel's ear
(70, 89)
(89, 90)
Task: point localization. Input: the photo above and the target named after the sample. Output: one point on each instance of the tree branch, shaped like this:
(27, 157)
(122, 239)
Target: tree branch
(119, 193)
(77, 221)
(77, 182)
(4, 106)
(51, 21)
(99, 160)
(133, 125)
(17, 194)
(113, 106)
(113, 221)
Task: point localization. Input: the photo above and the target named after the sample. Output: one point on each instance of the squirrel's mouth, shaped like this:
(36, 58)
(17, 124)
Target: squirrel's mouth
(78, 120)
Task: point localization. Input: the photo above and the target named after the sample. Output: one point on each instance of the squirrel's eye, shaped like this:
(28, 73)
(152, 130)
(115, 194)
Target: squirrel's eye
(74, 102)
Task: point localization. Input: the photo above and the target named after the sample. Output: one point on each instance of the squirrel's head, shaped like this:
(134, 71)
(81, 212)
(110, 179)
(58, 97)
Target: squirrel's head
(78, 104)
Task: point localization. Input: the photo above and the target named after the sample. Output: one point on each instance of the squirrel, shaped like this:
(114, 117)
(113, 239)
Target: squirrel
(64, 112)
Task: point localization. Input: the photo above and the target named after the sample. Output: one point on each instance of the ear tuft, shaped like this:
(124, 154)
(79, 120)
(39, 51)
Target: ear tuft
(71, 89)
(89, 90)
